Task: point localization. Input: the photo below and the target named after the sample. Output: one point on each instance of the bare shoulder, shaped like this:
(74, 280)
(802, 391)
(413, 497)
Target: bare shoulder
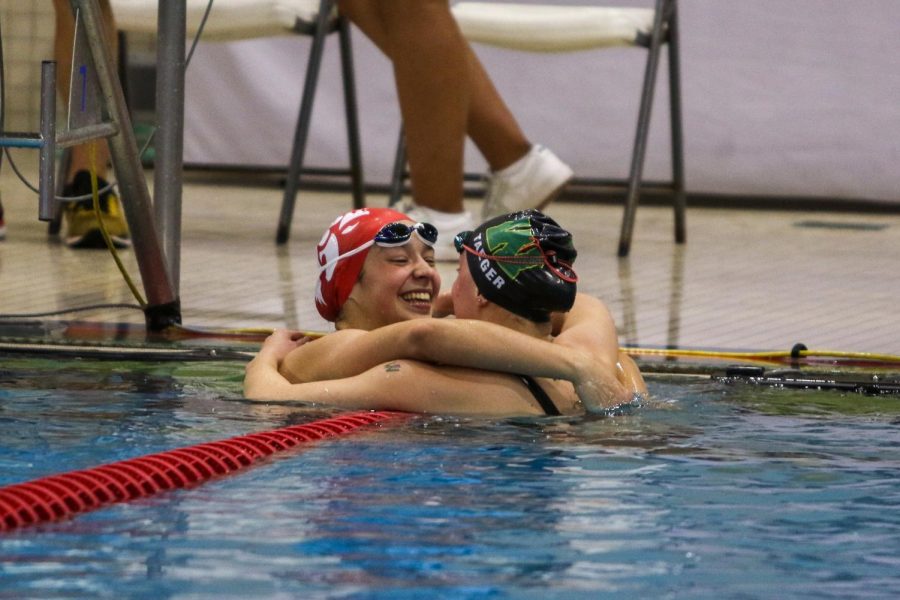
(590, 327)
(589, 310)
(316, 360)
(332, 343)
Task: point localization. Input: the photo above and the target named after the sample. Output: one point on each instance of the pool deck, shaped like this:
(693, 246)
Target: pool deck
(745, 279)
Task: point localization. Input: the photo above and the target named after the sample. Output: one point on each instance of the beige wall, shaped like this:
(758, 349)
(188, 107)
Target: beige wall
(796, 98)
(27, 29)
(780, 98)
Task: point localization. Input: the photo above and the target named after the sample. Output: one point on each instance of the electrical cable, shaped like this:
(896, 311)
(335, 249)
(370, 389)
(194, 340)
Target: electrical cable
(65, 311)
(769, 356)
(765, 356)
(234, 331)
(92, 152)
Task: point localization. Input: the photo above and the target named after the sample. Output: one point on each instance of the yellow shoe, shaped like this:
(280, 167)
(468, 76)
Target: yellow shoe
(82, 226)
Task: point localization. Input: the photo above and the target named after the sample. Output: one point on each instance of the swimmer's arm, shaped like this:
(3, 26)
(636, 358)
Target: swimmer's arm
(456, 342)
(261, 377)
(587, 357)
(408, 386)
(482, 345)
(264, 378)
(584, 356)
(589, 327)
(350, 352)
(585, 352)
(588, 352)
(334, 356)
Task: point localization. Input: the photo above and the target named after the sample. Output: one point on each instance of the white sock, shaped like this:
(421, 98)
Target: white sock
(436, 216)
(516, 166)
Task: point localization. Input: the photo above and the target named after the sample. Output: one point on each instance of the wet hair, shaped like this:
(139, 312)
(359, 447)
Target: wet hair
(522, 262)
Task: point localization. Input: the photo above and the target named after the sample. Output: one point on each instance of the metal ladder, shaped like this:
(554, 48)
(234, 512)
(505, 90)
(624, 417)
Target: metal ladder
(159, 276)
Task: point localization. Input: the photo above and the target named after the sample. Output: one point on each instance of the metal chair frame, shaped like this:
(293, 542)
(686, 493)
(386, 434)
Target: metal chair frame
(319, 30)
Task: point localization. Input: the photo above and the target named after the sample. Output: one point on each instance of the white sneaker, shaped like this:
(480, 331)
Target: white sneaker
(533, 181)
(447, 224)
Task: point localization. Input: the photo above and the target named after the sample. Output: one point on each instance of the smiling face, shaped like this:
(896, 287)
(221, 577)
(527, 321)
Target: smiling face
(396, 284)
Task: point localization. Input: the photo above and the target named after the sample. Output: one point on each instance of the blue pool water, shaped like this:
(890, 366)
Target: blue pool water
(707, 491)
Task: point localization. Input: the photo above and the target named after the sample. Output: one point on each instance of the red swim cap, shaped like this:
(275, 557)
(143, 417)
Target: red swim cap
(348, 232)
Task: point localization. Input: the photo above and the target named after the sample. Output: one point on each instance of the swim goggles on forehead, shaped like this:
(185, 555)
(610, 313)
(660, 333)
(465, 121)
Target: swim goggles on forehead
(560, 268)
(398, 234)
(392, 235)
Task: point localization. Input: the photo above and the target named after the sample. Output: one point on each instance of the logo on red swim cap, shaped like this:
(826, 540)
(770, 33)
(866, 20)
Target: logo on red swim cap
(348, 232)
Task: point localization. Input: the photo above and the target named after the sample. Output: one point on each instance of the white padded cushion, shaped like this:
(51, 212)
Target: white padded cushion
(228, 19)
(551, 28)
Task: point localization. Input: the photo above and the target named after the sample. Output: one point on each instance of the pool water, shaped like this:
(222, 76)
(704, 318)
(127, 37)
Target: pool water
(707, 491)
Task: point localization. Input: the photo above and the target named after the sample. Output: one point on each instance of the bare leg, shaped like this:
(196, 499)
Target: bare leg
(431, 79)
(490, 123)
(65, 33)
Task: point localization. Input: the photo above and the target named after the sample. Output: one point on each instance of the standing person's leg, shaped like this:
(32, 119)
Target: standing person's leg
(490, 123)
(82, 227)
(431, 71)
(431, 74)
(62, 53)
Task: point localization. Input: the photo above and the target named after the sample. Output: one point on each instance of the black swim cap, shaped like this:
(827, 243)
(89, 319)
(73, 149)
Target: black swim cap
(522, 262)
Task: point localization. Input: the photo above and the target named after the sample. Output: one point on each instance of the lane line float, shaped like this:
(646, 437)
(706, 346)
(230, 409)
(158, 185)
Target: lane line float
(64, 495)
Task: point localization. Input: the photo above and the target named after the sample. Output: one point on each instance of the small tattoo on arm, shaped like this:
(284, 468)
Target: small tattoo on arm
(392, 367)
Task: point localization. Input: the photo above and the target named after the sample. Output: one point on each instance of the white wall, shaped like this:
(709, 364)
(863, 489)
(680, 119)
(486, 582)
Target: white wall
(27, 29)
(780, 98)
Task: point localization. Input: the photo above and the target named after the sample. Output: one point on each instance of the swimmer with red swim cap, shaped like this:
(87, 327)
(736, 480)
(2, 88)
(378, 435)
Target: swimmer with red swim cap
(524, 341)
(376, 267)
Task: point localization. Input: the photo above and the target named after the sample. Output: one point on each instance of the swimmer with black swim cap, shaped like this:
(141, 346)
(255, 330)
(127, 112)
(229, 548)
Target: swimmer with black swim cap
(523, 263)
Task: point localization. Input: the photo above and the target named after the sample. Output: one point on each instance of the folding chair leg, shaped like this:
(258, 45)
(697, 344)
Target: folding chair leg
(643, 129)
(353, 139)
(678, 185)
(302, 131)
(396, 192)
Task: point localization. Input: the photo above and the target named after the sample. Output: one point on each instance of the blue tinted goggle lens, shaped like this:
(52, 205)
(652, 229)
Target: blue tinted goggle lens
(398, 234)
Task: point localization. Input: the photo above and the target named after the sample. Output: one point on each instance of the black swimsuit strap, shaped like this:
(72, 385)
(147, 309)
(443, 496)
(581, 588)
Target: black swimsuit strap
(540, 395)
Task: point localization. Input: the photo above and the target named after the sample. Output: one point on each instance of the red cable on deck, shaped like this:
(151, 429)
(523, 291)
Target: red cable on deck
(64, 495)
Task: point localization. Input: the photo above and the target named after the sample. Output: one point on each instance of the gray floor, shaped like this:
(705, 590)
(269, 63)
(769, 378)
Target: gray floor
(745, 280)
